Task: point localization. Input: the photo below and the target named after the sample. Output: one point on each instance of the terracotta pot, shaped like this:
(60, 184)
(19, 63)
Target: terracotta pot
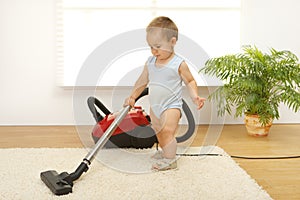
(255, 128)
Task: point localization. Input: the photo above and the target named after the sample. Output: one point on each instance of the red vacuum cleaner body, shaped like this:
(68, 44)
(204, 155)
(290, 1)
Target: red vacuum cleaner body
(133, 132)
(135, 117)
(135, 129)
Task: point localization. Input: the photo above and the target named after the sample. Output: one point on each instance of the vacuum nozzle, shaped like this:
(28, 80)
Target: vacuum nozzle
(56, 183)
(62, 183)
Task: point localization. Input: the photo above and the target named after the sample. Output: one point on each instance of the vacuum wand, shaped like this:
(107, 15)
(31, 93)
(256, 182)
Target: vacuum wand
(107, 134)
(62, 183)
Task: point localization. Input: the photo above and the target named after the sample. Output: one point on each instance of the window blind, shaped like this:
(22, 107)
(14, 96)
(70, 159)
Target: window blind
(84, 25)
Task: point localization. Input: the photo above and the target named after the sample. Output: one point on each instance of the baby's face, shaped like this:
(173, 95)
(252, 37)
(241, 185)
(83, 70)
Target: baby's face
(160, 46)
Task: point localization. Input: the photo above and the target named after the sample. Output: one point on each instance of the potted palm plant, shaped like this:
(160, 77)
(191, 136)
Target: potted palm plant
(255, 83)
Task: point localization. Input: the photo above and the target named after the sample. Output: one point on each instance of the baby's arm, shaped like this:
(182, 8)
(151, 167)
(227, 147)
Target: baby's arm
(138, 88)
(191, 84)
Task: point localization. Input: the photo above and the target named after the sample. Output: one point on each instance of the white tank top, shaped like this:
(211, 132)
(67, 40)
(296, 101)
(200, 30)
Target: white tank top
(165, 85)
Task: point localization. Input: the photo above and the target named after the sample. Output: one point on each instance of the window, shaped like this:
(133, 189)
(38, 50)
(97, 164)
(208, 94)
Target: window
(83, 25)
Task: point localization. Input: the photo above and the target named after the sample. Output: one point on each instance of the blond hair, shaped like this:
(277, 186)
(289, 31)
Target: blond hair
(166, 25)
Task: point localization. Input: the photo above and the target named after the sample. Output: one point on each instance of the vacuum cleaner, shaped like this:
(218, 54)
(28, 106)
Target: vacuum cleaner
(135, 130)
(62, 184)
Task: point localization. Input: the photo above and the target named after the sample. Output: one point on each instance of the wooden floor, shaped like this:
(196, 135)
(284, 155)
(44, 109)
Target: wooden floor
(280, 178)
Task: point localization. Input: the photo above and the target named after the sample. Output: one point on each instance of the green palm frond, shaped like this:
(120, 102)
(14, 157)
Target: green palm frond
(256, 82)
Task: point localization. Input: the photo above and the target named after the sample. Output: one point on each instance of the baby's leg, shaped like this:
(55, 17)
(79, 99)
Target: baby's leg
(169, 150)
(165, 129)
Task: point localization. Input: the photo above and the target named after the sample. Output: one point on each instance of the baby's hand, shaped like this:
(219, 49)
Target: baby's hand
(129, 101)
(199, 101)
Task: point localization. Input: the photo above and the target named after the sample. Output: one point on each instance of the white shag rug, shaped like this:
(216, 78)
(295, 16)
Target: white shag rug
(117, 177)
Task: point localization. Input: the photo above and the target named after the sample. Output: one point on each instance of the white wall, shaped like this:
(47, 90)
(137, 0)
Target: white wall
(29, 95)
(271, 23)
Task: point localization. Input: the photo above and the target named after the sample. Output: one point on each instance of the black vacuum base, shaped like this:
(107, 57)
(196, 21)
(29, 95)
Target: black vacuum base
(56, 183)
